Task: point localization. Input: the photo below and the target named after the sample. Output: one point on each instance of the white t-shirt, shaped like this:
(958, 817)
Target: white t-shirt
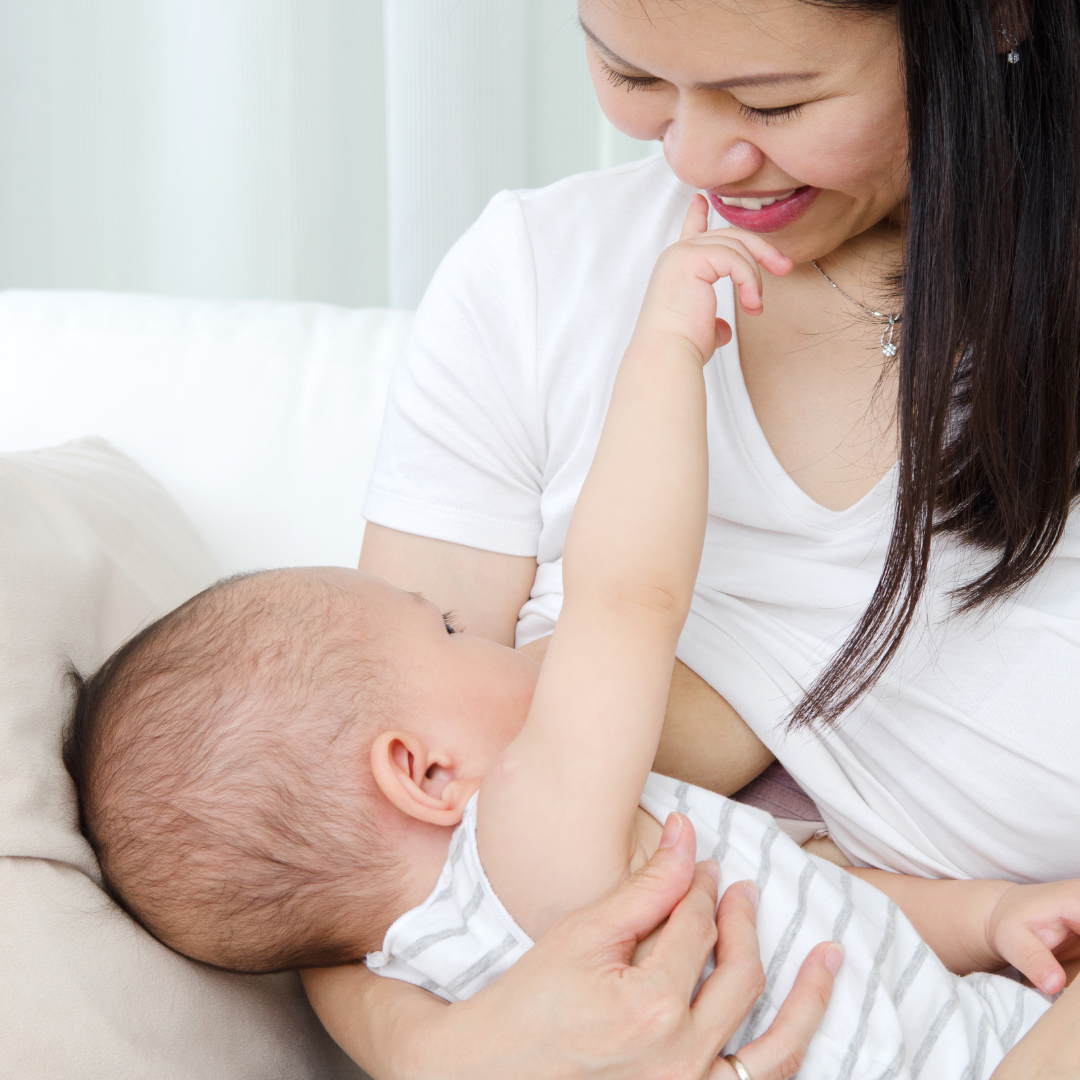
(964, 761)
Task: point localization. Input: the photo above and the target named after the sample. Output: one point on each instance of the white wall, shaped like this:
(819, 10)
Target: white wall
(294, 149)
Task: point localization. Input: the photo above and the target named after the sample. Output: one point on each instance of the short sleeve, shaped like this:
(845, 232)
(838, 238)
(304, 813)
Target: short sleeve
(460, 454)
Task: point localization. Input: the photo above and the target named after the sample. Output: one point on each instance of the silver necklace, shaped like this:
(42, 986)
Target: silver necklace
(888, 348)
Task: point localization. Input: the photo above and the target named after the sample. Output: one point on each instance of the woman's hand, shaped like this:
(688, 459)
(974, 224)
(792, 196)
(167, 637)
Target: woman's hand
(574, 1007)
(680, 297)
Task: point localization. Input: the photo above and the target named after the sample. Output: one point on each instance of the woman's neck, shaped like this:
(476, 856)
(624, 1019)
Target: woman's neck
(868, 266)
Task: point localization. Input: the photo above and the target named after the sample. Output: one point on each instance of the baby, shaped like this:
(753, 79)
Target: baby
(306, 768)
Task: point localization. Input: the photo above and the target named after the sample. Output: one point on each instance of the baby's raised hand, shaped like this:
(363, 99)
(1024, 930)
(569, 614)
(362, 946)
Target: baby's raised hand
(680, 300)
(1035, 928)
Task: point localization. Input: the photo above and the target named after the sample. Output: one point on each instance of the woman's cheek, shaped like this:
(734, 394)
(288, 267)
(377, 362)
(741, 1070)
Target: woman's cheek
(845, 155)
(641, 114)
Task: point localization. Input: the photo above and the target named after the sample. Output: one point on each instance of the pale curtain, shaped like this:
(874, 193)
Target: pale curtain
(292, 149)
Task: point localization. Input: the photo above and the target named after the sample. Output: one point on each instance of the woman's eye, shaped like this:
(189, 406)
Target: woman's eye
(771, 116)
(631, 82)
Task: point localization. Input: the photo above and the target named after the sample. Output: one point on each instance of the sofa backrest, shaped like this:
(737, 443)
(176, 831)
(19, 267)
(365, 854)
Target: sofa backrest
(260, 418)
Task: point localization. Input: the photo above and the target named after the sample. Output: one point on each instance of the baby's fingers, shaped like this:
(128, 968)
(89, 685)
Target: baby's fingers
(1031, 957)
(756, 247)
(697, 218)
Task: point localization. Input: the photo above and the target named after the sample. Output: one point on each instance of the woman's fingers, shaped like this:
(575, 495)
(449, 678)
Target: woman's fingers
(729, 993)
(642, 902)
(689, 936)
(779, 1053)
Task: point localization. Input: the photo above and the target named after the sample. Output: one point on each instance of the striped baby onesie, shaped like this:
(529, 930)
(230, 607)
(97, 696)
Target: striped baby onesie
(896, 1012)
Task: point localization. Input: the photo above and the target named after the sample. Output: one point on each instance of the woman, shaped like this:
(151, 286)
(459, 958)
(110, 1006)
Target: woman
(889, 595)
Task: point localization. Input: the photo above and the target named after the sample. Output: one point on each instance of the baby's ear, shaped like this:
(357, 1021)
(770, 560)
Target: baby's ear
(422, 783)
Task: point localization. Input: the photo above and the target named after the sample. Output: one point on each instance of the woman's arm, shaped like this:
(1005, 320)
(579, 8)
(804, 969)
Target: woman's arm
(484, 589)
(575, 1009)
(704, 740)
(1051, 1049)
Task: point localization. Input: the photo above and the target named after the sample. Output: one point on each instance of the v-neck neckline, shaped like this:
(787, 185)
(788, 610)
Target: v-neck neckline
(765, 462)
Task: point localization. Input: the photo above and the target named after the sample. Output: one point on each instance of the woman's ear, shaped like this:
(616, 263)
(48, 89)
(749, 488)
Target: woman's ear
(422, 783)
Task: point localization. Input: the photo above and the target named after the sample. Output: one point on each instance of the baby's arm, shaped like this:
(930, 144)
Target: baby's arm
(630, 562)
(984, 925)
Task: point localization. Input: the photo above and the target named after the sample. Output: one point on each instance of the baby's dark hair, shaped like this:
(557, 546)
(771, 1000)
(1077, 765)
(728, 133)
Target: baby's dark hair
(220, 759)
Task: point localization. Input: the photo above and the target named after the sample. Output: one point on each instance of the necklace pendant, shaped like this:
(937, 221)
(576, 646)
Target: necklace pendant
(887, 346)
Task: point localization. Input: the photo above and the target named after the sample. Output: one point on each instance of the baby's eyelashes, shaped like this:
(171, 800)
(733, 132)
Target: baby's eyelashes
(448, 621)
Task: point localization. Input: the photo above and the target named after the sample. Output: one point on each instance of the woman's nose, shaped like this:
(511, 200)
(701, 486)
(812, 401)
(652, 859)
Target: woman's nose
(703, 149)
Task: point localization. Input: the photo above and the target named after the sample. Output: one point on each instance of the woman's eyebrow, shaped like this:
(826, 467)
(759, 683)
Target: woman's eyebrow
(767, 79)
(600, 47)
(760, 80)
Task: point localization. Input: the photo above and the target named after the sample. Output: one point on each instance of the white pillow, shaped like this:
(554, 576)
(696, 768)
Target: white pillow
(91, 549)
(259, 417)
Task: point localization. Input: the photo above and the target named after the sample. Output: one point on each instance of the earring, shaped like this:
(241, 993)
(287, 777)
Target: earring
(1012, 55)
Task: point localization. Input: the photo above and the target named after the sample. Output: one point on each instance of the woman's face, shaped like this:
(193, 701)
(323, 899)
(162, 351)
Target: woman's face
(762, 100)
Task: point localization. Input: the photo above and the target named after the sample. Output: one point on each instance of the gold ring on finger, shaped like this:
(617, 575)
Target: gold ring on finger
(739, 1067)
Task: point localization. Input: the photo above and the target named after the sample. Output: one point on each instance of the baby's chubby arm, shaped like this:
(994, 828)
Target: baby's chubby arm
(984, 925)
(577, 769)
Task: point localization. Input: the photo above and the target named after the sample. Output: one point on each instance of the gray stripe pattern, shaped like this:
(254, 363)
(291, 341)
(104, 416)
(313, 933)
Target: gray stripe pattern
(783, 948)
(895, 1065)
(455, 857)
(492, 956)
(873, 981)
(723, 829)
(931, 1037)
(974, 1070)
(1016, 1020)
(425, 942)
(907, 976)
(902, 1014)
(844, 917)
(765, 869)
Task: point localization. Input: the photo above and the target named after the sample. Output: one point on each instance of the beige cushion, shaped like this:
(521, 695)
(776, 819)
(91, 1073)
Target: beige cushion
(91, 549)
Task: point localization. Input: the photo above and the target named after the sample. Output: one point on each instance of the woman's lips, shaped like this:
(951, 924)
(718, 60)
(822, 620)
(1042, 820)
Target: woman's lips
(769, 218)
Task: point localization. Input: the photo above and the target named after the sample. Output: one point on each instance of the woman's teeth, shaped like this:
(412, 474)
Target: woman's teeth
(757, 204)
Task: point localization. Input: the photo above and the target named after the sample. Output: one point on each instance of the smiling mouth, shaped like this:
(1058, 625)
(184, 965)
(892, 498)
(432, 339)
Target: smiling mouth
(756, 204)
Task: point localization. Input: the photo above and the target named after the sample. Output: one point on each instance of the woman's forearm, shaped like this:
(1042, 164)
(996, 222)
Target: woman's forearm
(380, 1023)
(704, 740)
(1051, 1049)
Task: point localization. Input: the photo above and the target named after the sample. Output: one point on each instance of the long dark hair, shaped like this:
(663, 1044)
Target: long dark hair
(989, 361)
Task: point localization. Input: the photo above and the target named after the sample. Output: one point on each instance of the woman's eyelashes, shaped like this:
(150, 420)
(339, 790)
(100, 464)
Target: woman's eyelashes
(770, 116)
(645, 82)
(631, 82)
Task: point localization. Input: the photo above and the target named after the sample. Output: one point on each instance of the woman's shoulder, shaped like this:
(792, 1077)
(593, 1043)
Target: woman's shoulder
(627, 194)
(543, 261)
(576, 221)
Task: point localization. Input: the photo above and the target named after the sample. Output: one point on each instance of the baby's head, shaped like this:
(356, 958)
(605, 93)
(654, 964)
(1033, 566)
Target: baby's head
(268, 773)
